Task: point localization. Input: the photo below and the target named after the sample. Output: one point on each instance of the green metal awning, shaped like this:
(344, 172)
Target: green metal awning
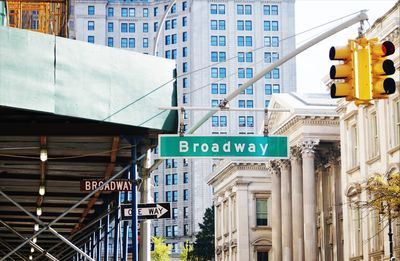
(44, 73)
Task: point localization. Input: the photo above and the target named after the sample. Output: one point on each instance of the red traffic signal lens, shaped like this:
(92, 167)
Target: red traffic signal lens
(388, 48)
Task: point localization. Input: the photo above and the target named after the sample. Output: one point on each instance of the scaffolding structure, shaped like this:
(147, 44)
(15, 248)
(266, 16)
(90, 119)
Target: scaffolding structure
(45, 16)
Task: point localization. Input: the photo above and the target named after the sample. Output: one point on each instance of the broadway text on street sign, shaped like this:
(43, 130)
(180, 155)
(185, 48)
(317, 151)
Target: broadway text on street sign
(191, 146)
(147, 211)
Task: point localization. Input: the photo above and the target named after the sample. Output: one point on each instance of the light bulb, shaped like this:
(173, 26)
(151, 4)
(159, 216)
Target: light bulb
(34, 240)
(32, 250)
(30, 257)
(39, 211)
(43, 154)
(36, 227)
(42, 190)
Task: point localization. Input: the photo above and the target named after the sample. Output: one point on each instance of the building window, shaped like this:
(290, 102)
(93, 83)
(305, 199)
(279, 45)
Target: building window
(239, 9)
(156, 231)
(240, 40)
(262, 256)
(240, 25)
(173, 23)
(214, 121)
(184, 5)
(267, 10)
(132, 43)
(168, 231)
(267, 26)
(374, 137)
(110, 41)
(185, 98)
(124, 12)
(155, 11)
(124, 27)
(185, 194)
(275, 26)
(275, 73)
(266, 103)
(261, 212)
(274, 10)
(213, 9)
(214, 41)
(249, 104)
(185, 67)
(184, 21)
(167, 40)
(249, 73)
(173, 9)
(156, 180)
(145, 27)
(185, 229)
(396, 121)
(249, 41)
(175, 232)
(132, 12)
(276, 88)
(353, 145)
(155, 26)
(90, 39)
(214, 25)
(124, 42)
(242, 121)
(174, 179)
(221, 24)
(167, 24)
(185, 177)
(174, 39)
(275, 41)
(91, 10)
(184, 36)
(131, 27)
(168, 196)
(110, 27)
(110, 12)
(267, 41)
(250, 121)
(174, 213)
(145, 12)
(247, 9)
(90, 25)
(174, 196)
(184, 52)
(222, 40)
(248, 25)
(155, 196)
(185, 82)
(185, 212)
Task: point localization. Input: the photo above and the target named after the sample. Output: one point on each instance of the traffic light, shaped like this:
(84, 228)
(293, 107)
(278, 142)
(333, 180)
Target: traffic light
(343, 72)
(382, 85)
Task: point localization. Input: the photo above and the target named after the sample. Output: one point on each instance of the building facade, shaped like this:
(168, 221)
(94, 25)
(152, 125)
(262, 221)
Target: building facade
(370, 145)
(217, 45)
(242, 192)
(300, 197)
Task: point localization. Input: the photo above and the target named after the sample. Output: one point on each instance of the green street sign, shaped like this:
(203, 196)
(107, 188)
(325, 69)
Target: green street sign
(193, 146)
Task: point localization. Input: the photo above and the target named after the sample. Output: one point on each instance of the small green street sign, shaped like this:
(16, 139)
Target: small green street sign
(193, 146)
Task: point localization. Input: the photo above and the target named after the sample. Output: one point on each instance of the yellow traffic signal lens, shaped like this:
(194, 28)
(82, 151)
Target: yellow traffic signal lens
(340, 90)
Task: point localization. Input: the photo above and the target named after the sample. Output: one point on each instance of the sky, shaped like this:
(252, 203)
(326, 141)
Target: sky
(313, 64)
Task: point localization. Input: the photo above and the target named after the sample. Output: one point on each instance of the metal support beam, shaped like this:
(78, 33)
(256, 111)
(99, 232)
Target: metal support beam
(63, 214)
(116, 229)
(134, 203)
(98, 241)
(145, 197)
(125, 231)
(105, 241)
(6, 245)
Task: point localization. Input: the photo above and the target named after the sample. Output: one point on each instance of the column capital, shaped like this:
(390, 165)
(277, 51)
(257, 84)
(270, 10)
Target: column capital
(284, 163)
(272, 167)
(333, 154)
(295, 152)
(307, 145)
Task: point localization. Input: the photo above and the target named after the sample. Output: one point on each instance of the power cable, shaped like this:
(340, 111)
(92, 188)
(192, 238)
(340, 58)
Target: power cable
(214, 64)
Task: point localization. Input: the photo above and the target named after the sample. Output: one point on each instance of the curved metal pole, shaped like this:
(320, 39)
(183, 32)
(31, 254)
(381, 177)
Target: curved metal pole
(161, 26)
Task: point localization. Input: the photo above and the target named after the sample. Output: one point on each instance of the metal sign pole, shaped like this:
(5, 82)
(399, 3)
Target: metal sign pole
(134, 203)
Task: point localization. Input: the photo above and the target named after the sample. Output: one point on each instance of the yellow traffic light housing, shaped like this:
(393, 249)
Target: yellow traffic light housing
(343, 72)
(363, 73)
(382, 85)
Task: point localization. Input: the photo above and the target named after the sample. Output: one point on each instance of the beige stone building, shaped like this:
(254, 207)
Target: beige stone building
(370, 145)
(300, 196)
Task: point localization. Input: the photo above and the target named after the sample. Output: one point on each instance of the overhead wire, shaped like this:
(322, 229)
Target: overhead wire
(217, 63)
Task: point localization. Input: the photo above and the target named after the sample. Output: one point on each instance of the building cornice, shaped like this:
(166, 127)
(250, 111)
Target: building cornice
(299, 120)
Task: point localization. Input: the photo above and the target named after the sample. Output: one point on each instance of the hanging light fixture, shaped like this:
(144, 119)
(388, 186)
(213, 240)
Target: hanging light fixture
(36, 227)
(42, 190)
(30, 257)
(32, 250)
(39, 211)
(34, 240)
(43, 154)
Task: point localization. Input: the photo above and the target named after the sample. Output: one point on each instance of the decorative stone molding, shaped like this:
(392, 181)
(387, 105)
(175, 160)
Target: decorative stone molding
(218, 250)
(295, 153)
(272, 167)
(225, 247)
(282, 164)
(308, 146)
(333, 154)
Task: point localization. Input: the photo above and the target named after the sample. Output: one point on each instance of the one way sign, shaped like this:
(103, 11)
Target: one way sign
(147, 211)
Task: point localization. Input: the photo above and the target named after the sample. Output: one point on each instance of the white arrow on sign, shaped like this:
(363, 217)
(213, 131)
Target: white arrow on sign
(150, 211)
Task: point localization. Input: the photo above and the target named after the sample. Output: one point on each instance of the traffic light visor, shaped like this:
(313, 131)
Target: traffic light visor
(339, 90)
(385, 49)
(340, 53)
(340, 71)
(385, 86)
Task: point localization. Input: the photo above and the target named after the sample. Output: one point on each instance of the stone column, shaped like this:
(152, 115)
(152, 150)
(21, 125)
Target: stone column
(286, 201)
(309, 199)
(297, 204)
(272, 168)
